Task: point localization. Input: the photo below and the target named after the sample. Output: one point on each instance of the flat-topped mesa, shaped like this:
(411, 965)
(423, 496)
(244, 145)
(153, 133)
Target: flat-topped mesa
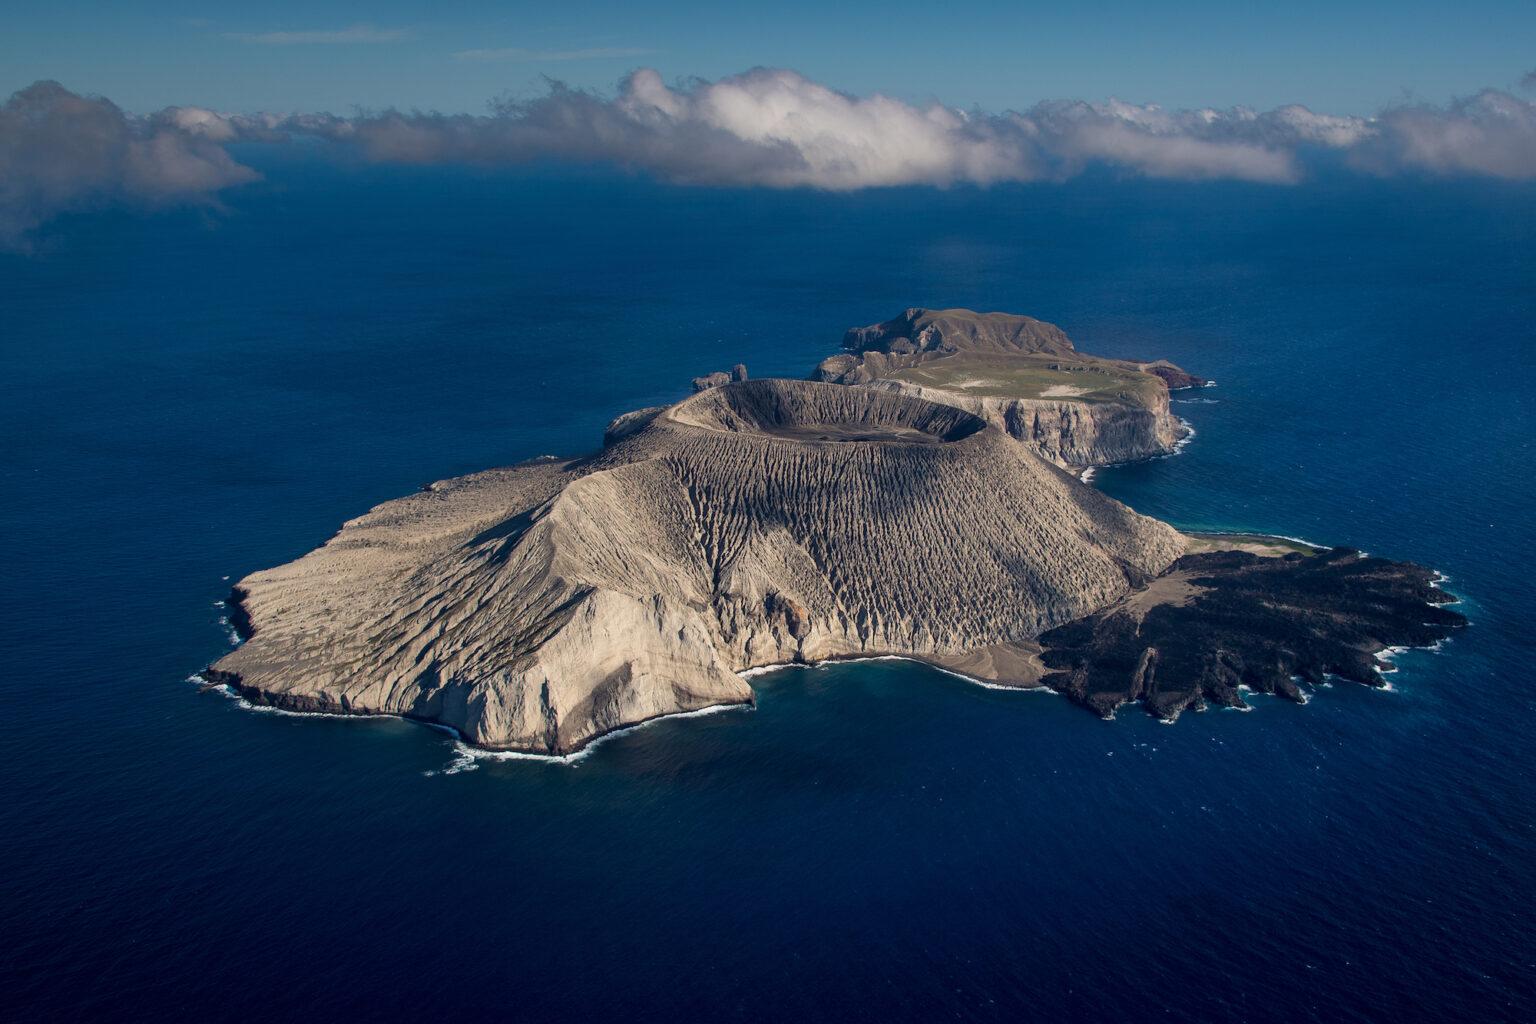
(754, 523)
(958, 330)
(1024, 375)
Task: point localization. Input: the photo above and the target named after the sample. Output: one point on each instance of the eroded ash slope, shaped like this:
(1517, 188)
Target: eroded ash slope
(760, 522)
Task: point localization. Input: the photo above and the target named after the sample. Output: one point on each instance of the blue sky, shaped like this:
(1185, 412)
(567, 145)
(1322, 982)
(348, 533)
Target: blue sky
(337, 54)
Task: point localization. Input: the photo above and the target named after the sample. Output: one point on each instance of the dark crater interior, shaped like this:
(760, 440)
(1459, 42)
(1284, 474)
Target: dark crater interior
(804, 411)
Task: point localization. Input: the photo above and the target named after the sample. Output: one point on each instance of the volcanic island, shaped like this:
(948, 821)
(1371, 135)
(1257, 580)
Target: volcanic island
(918, 497)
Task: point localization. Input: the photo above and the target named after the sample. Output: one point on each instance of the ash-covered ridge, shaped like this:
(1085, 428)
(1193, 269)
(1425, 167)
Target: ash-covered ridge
(755, 523)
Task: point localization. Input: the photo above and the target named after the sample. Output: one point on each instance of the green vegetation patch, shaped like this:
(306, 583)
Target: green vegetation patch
(1005, 375)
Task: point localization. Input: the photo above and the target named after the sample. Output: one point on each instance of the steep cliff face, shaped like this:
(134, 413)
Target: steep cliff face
(1071, 434)
(537, 607)
(1025, 376)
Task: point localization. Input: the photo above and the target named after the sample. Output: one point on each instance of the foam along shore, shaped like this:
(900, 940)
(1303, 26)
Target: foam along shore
(465, 750)
(1270, 544)
(1224, 687)
(1032, 685)
(467, 756)
(1092, 679)
(1388, 656)
(1175, 447)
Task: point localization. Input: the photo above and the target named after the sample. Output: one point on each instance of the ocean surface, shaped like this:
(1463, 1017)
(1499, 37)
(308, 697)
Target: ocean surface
(188, 396)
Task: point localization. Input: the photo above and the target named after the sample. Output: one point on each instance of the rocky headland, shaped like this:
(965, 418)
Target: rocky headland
(1025, 376)
(764, 522)
(1219, 622)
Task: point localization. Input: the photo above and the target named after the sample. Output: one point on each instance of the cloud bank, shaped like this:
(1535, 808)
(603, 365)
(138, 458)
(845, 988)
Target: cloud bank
(779, 129)
(62, 152)
(1491, 134)
(764, 128)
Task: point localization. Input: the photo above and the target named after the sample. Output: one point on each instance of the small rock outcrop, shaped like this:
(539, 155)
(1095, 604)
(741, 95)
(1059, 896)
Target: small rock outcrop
(755, 523)
(1024, 375)
(1175, 378)
(719, 377)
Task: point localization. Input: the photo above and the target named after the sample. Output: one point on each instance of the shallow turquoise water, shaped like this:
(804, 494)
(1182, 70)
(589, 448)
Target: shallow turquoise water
(187, 400)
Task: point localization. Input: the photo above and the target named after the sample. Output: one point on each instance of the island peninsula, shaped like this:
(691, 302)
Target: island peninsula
(891, 506)
(1025, 376)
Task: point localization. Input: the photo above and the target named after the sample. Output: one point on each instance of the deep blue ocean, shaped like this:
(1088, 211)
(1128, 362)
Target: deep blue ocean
(188, 396)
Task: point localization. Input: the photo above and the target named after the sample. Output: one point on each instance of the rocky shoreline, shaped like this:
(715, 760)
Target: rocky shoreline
(1155, 647)
(768, 522)
(1221, 622)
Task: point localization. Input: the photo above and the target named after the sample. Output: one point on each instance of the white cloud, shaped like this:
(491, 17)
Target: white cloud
(1326, 129)
(351, 34)
(1191, 145)
(1491, 134)
(778, 129)
(816, 136)
(61, 152)
(518, 55)
(201, 122)
(767, 128)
